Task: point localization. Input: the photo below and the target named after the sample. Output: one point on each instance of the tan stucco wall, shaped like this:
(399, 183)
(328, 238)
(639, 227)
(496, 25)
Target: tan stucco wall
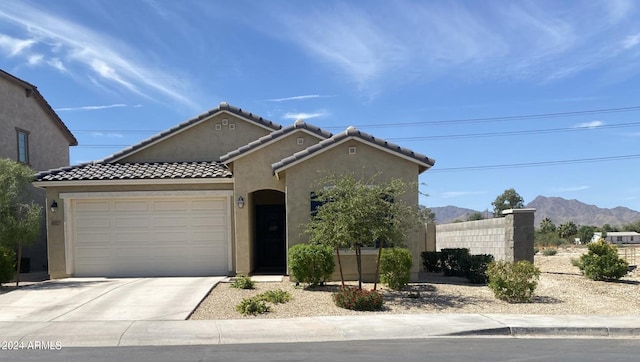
(56, 222)
(202, 142)
(301, 180)
(48, 148)
(253, 172)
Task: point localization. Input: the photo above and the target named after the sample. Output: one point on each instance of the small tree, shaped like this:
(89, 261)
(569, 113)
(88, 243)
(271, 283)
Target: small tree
(475, 216)
(567, 229)
(547, 226)
(509, 199)
(585, 233)
(356, 213)
(19, 218)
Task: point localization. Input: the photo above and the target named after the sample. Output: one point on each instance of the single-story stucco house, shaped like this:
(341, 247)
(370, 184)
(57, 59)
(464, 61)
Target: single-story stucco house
(224, 193)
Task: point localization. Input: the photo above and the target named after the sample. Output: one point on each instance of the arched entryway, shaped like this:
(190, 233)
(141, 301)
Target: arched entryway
(270, 239)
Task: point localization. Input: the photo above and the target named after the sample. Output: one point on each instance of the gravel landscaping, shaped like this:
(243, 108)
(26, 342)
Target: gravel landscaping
(561, 290)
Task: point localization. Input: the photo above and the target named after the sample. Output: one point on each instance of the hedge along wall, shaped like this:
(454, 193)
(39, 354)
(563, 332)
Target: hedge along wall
(509, 238)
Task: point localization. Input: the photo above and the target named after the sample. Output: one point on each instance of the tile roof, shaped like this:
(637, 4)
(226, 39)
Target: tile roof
(298, 125)
(352, 132)
(224, 106)
(136, 171)
(43, 102)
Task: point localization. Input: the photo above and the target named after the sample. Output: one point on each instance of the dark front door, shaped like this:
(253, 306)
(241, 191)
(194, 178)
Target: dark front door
(270, 239)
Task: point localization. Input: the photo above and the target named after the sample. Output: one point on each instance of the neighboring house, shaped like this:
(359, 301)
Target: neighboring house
(32, 133)
(226, 192)
(619, 237)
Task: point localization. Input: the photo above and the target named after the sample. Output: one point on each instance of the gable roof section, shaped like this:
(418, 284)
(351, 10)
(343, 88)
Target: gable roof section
(136, 171)
(223, 107)
(299, 125)
(32, 90)
(352, 133)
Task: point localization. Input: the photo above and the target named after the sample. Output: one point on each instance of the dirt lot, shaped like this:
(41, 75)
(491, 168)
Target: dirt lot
(561, 290)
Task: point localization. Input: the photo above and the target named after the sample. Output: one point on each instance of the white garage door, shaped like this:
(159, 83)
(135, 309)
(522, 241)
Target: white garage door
(150, 237)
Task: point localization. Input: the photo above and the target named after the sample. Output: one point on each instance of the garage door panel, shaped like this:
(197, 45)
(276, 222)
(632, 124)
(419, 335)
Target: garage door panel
(93, 237)
(133, 221)
(94, 206)
(131, 237)
(131, 206)
(150, 237)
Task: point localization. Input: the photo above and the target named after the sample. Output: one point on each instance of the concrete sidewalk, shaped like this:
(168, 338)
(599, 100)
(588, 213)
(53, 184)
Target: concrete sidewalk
(317, 329)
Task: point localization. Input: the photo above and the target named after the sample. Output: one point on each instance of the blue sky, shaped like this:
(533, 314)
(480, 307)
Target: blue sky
(455, 80)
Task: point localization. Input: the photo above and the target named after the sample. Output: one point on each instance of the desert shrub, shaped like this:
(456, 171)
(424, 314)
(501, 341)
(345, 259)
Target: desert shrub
(358, 299)
(513, 282)
(310, 263)
(549, 239)
(602, 262)
(455, 261)
(549, 251)
(395, 267)
(7, 264)
(276, 296)
(243, 282)
(477, 268)
(431, 261)
(252, 306)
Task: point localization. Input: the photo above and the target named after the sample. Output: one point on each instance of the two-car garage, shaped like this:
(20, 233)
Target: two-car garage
(148, 234)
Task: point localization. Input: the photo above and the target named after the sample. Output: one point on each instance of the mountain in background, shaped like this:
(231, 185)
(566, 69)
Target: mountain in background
(557, 209)
(561, 210)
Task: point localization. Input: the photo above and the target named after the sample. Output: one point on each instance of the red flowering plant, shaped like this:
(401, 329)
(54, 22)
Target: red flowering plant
(358, 299)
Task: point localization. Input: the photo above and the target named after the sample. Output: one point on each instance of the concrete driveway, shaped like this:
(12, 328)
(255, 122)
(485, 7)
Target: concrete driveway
(106, 299)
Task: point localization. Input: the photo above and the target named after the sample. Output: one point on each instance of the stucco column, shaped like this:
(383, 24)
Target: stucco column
(519, 234)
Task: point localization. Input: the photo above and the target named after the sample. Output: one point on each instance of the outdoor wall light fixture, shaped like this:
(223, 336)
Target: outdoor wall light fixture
(54, 206)
(240, 202)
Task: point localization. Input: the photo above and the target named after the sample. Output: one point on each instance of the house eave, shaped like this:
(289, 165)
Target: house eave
(164, 181)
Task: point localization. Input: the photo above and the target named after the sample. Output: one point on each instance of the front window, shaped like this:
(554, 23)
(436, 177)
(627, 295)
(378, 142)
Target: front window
(23, 146)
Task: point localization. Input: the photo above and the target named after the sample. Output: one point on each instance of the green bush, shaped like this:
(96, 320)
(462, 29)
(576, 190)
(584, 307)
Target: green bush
(395, 267)
(252, 306)
(277, 296)
(513, 282)
(477, 268)
(455, 262)
(358, 299)
(542, 239)
(243, 282)
(549, 251)
(431, 261)
(7, 264)
(311, 264)
(602, 262)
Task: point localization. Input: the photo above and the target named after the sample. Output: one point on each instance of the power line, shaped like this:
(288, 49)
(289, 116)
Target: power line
(466, 135)
(436, 122)
(534, 164)
(514, 133)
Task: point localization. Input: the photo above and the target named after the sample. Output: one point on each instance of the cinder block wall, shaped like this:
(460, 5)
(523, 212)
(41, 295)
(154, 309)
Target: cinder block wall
(509, 238)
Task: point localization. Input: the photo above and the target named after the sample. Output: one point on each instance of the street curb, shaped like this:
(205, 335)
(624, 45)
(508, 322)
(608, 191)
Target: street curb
(551, 332)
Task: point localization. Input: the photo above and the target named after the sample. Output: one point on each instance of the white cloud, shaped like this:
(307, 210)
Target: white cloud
(13, 46)
(111, 60)
(295, 98)
(592, 124)
(106, 134)
(56, 63)
(35, 59)
(631, 41)
(302, 115)
(571, 188)
(451, 194)
(92, 108)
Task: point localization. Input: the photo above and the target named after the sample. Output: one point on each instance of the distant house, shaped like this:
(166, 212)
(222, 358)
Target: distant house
(619, 237)
(32, 133)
